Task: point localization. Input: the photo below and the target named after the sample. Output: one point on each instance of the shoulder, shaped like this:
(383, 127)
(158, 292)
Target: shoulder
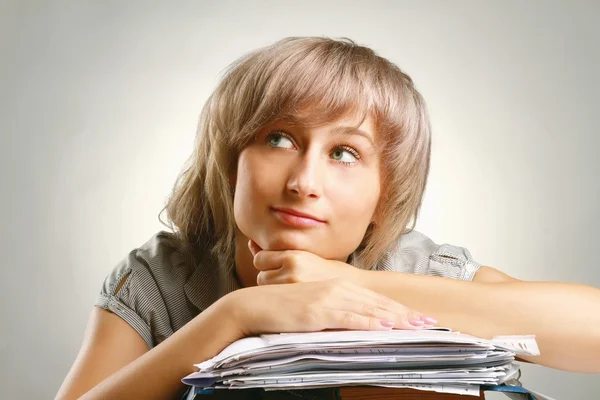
(146, 287)
(416, 253)
(164, 254)
(156, 260)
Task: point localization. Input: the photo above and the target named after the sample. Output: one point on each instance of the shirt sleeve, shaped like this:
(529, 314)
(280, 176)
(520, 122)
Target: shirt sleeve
(418, 254)
(131, 292)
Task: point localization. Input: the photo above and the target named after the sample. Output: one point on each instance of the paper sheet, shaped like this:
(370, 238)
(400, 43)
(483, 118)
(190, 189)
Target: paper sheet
(437, 359)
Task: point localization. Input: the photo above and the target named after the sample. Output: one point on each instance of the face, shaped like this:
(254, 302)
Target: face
(308, 188)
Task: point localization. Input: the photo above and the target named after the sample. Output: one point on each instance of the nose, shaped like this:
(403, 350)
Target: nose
(306, 176)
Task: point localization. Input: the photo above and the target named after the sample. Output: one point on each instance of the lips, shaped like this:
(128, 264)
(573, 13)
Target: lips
(297, 219)
(298, 213)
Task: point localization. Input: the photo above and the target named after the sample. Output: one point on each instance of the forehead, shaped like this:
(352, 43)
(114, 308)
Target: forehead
(344, 124)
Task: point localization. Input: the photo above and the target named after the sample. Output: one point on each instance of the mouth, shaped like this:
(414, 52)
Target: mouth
(296, 218)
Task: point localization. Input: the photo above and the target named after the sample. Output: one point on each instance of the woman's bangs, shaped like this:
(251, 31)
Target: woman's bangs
(317, 95)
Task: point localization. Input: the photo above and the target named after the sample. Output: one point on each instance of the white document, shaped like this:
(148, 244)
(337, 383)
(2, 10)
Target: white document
(429, 359)
(246, 347)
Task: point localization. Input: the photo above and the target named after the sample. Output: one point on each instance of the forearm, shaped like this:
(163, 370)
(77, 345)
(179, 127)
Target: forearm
(564, 317)
(157, 374)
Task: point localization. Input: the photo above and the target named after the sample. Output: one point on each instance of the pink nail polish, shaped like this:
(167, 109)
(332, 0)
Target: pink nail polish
(430, 321)
(387, 324)
(416, 322)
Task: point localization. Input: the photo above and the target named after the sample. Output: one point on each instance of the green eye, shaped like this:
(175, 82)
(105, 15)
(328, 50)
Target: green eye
(344, 156)
(279, 140)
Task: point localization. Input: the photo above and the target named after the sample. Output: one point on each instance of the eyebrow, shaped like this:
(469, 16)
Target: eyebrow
(349, 130)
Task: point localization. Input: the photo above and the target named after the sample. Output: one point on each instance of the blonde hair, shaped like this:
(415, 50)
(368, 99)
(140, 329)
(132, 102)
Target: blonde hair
(311, 80)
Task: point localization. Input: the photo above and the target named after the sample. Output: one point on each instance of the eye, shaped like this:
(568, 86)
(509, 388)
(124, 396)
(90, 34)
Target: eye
(345, 155)
(279, 139)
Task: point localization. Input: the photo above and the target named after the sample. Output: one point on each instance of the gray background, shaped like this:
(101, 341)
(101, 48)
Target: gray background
(99, 102)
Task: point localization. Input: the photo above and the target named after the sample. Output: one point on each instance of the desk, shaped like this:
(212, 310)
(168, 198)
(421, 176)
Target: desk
(343, 393)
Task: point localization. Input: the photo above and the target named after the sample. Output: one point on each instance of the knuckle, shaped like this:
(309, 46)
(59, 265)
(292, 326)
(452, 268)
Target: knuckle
(309, 317)
(293, 259)
(389, 304)
(289, 267)
(331, 289)
(293, 270)
(374, 323)
(260, 279)
(320, 299)
(369, 310)
(349, 319)
(382, 303)
(258, 260)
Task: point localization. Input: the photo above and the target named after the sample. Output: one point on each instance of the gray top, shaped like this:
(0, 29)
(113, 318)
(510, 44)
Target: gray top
(157, 289)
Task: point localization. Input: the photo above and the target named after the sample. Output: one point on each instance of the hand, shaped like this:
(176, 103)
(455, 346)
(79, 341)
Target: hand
(315, 306)
(294, 266)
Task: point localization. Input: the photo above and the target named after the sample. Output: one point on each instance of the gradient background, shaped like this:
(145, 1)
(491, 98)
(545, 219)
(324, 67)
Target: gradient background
(98, 109)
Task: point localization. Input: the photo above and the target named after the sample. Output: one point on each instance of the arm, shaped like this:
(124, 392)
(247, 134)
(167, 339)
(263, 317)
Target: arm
(563, 316)
(114, 361)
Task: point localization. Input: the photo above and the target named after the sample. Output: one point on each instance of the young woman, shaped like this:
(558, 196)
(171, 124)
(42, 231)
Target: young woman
(295, 212)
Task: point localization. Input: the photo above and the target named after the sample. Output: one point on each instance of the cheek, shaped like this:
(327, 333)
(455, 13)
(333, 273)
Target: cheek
(354, 202)
(256, 183)
(353, 207)
(243, 198)
(257, 180)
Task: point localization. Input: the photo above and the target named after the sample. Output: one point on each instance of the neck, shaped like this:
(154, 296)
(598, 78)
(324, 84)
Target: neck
(244, 265)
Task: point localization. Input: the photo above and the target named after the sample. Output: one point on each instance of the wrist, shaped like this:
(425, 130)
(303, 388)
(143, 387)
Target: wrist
(360, 277)
(233, 306)
(216, 327)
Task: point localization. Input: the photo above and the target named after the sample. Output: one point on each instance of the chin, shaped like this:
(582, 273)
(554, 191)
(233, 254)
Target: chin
(289, 241)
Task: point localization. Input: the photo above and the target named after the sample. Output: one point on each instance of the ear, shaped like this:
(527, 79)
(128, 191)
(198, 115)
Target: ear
(376, 217)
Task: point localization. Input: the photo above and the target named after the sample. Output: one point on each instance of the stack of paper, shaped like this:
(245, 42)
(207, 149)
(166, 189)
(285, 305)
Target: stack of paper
(429, 359)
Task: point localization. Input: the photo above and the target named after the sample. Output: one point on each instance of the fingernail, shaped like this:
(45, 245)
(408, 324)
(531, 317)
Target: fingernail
(416, 322)
(430, 321)
(387, 324)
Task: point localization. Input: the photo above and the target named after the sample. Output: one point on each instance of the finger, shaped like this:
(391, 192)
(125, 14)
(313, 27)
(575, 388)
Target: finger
(428, 320)
(271, 277)
(371, 310)
(355, 301)
(404, 317)
(266, 260)
(342, 300)
(254, 248)
(349, 320)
